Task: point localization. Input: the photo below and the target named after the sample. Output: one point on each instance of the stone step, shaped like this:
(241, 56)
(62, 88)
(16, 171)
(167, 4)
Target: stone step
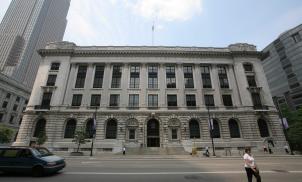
(156, 151)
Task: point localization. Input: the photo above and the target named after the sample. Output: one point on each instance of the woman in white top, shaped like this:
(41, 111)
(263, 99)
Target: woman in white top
(250, 166)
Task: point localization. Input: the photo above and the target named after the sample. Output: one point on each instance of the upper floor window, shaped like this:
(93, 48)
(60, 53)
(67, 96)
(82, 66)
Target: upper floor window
(209, 100)
(251, 81)
(8, 95)
(297, 37)
(54, 66)
(152, 100)
(170, 77)
(152, 76)
(256, 100)
(18, 99)
(191, 101)
(51, 81)
(15, 107)
(133, 100)
(76, 100)
(223, 78)
(227, 100)
(114, 100)
(1, 116)
(4, 104)
(80, 82)
(248, 67)
(188, 77)
(172, 100)
(206, 77)
(40, 128)
(46, 98)
(95, 100)
(116, 76)
(98, 76)
(134, 76)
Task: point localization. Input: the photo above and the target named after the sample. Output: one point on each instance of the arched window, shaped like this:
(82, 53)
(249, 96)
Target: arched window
(111, 129)
(263, 128)
(216, 129)
(234, 129)
(194, 129)
(70, 128)
(40, 127)
(89, 128)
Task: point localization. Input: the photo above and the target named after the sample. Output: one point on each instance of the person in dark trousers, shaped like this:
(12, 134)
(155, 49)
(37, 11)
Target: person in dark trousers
(207, 153)
(250, 166)
(124, 151)
(286, 149)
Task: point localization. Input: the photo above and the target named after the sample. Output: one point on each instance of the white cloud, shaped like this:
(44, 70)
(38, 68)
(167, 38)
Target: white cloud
(166, 10)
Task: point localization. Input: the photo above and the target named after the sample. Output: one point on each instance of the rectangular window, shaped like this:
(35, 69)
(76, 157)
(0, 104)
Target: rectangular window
(131, 134)
(1, 117)
(11, 119)
(227, 100)
(251, 81)
(116, 76)
(174, 134)
(95, 100)
(8, 95)
(18, 99)
(172, 100)
(134, 76)
(76, 100)
(248, 67)
(98, 76)
(256, 100)
(206, 77)
(4, 105)
(209, 100)
(51, 81)
(55, 66)
(152, 100)
(188, 77)
(191, 101)
(46, 98)
(223, 78)
(114, 100)
(80, 82)
(297, 37)
(152, 77)
(15, 107)
(170, 77)
(133, 100)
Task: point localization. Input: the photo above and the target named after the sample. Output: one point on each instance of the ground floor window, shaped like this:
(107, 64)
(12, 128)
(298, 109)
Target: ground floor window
(131, 134)
(174, 134)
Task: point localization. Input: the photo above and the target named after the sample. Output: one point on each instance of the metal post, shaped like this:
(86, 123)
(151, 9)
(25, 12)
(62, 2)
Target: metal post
(211, 131)
(94, 131)
(283, 126)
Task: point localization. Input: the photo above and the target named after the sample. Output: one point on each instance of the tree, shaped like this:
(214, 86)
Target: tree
(294, 131)
(41, 138)
(80, 137)
(6, 134)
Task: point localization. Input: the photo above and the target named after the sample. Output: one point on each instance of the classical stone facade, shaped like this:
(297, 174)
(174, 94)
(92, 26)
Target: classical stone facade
(148, 98)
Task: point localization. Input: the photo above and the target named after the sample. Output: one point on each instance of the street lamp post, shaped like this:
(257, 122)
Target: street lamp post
(283, 126)
(211, 131)
(93, 130)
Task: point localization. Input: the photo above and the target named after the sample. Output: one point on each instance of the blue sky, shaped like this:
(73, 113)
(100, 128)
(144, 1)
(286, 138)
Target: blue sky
(205, 23)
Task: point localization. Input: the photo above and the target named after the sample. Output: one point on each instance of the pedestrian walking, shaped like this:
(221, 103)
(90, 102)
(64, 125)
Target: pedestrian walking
(264, 149)
(207, 153)
(250, 166)
(124, 151)
(286, 149)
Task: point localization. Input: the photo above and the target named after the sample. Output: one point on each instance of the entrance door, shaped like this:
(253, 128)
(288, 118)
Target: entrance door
(153, 133)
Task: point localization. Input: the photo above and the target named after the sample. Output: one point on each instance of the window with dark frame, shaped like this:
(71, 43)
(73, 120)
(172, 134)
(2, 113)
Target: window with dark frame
(152, 100)
(194, 129)
(55, 66)
(51, 81)
(191, 100)
(116, 76)
(133, 100)
(76, 100)
(11, 119)
(223, 78)
(170, 77)
(131, 134)
(227, 100)
(209, 100)
(4, 104)
(134, 76)
(40, 127)
(46, 98)
(95, 100)
(174, 134)
(90, 128)
(114, 100)
(111, 129)
(70, 128)
(81, 76)
(206, 77)
(234, 129)
(216, 129)
(263, 128)
(8, 95)
(1, 116)
(188, 77)
(98, 76)
(15, 107)
(18, 99)
(248, 67)
(297, 37)
(172, 100)
(251, 81)
(152, 76)
(256, 100)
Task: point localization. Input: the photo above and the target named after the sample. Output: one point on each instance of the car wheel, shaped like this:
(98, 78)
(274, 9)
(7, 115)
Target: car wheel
(37, 171)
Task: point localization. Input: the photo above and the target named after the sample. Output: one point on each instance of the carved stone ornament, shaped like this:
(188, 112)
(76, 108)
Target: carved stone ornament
(132, 123)
(174, 123)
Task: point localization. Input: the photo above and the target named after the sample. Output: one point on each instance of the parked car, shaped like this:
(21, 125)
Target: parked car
(29, 160)
(43, 151)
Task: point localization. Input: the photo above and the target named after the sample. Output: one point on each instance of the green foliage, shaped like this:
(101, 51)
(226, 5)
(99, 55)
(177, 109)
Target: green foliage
(41, 138)
(294, 131)
(6, 134)
(80, 137)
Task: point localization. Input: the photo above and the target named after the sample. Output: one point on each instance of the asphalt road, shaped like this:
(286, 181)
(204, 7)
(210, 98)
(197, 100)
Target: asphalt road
(175, 169)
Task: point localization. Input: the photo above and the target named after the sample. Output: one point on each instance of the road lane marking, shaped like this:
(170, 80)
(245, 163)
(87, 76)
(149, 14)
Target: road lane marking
(168, 173)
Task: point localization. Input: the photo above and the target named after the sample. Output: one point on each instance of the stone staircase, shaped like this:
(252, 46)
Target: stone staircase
(156, 151)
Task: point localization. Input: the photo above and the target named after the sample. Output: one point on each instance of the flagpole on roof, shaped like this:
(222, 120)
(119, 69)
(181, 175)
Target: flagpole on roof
(153, 33)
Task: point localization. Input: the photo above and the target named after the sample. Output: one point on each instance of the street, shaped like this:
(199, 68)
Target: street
(176, 169)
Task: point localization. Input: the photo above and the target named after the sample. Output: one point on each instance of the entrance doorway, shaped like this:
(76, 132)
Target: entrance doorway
(153, 139)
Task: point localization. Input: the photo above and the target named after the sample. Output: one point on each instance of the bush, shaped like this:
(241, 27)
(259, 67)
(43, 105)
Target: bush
(6, 134)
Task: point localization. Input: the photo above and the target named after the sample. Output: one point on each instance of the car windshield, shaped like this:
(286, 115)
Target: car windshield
(36, 152)
(43, 151)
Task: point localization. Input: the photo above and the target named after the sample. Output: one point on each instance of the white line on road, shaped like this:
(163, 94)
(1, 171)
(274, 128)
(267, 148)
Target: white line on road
(169, 173)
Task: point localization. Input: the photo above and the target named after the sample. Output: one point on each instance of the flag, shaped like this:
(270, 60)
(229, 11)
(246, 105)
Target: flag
(211, 126)
(94, 123)
(285, 124)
